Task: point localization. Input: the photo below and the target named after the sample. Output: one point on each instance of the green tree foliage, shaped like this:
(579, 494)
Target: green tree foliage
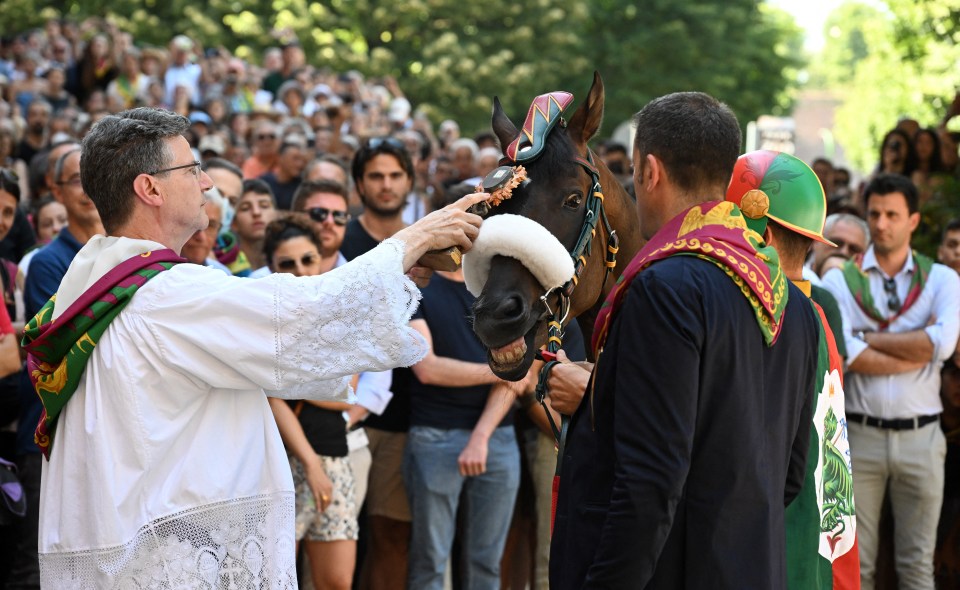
(451, 57)
(892, 61)
(740, 51)
(846, 44)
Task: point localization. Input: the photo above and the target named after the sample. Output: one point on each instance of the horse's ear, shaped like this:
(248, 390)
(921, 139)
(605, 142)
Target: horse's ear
(586, 121)
(503, 127)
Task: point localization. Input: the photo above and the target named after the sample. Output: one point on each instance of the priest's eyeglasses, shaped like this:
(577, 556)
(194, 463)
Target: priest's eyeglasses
(195, 164)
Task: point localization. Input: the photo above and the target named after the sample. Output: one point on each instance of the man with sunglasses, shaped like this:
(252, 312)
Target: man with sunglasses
(901, 317)
(153, 375)
(266, 147)
(325, 203)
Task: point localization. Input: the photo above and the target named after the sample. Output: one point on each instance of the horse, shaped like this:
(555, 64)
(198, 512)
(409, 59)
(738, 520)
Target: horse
(514, 314)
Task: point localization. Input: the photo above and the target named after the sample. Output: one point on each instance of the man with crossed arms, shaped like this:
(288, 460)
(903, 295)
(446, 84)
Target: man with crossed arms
(901, 317)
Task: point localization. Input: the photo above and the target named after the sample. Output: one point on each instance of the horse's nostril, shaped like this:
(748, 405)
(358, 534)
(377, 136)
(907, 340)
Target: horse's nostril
(509, 308)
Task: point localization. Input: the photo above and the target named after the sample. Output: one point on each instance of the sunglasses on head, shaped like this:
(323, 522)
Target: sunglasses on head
(377, 142)
(290, 264)
(320, 214)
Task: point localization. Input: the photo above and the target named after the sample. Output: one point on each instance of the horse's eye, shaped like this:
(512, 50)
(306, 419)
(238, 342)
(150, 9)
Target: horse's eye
(573, 201)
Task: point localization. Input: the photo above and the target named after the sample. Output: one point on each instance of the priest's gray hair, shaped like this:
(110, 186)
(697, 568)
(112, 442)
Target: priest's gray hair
(119, 148)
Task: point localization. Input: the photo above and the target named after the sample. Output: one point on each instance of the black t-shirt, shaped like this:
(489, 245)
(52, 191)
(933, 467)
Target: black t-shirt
(282, 191)
(573, 344)
(325, 429)
(26, 152)
(356, 240)
(396, 417)
(446, 309)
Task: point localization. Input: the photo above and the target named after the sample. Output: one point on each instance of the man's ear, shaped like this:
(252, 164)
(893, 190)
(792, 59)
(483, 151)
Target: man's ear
(768, 238)
(147, 189)
(914, 221)
(653, 172)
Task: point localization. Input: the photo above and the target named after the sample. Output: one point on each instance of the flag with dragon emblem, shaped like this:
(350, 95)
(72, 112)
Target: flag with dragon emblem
(821, 521)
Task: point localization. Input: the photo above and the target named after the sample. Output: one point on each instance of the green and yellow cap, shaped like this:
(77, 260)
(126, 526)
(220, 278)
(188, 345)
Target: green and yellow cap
(774, 185)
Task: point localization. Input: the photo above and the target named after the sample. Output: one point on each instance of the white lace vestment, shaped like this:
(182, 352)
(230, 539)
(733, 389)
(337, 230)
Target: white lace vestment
(167, 469)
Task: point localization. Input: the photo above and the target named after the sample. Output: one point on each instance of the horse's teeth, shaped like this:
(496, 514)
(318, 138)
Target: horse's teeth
(511, 353)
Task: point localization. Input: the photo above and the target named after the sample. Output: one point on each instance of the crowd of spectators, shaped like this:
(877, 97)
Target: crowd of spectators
(311, 167)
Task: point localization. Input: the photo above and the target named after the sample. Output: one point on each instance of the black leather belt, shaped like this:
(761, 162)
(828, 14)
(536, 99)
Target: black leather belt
(896, 424)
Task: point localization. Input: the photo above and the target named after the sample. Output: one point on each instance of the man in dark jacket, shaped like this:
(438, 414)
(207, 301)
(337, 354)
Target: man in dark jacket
(694, 433)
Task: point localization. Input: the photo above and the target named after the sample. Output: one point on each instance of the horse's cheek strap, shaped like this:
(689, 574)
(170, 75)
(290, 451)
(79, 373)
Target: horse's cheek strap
(522, 239)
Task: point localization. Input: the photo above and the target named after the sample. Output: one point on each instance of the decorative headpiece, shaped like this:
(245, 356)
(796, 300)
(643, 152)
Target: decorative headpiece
(545, 112)
(774, 185)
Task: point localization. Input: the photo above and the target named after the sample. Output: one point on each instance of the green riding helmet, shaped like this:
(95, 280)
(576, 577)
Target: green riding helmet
(773, 185)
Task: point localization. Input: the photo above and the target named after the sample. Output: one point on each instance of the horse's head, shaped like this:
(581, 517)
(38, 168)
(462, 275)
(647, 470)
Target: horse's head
(510, 316)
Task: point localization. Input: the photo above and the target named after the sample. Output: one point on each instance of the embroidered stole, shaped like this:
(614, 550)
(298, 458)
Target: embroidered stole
(58, 349)
(714, 231)
(859, 284)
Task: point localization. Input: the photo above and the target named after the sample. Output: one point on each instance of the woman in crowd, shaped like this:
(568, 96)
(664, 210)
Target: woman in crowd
(31, 85)
(95, 69)
(131, 87)
(897, 155)
(49, 217)
(930, 167)
(8, 144)
(9, 201)
(315, 436)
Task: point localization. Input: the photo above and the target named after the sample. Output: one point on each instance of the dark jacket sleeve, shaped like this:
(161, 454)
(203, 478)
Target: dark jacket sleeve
(655, 412)
(800, 451)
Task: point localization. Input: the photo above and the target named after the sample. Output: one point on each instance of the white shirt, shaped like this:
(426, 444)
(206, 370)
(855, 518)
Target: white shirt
(809, 275)
(167, 469)
(903, 395)
(415, 209)
(188, 76)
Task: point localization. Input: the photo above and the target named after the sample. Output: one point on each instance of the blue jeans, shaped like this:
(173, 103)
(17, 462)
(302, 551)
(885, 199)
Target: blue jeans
(435, 487)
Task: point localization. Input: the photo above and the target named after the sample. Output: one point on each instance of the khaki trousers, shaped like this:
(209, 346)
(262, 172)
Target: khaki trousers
(910, 464)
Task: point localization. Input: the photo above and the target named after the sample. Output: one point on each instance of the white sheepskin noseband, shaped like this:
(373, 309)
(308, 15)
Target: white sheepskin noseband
(520, 238)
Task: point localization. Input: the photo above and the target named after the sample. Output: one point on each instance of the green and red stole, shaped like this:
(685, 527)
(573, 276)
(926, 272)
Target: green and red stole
(859, 284)
(714, 231)
(820, 523)
(58, 349)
